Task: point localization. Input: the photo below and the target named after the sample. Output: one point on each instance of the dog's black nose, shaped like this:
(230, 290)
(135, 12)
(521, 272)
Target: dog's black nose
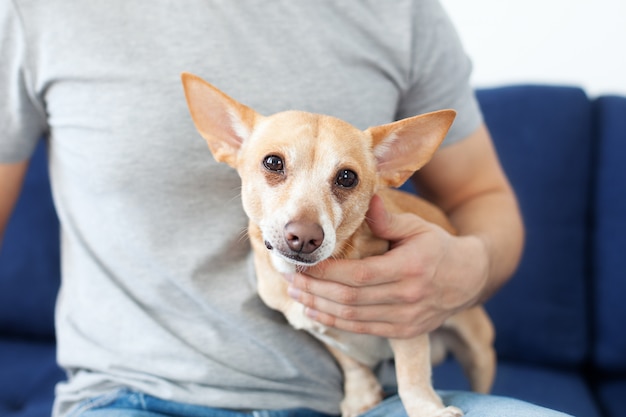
(303, 237)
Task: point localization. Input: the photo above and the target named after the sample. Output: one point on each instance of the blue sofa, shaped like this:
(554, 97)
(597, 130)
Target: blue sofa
(561, 321)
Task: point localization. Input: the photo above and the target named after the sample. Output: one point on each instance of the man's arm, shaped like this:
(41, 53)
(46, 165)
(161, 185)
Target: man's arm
(11, 179)
(428, 275)
(468, 183)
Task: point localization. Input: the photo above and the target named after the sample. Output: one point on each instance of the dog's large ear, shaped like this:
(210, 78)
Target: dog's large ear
(222, 121)
(403, 147)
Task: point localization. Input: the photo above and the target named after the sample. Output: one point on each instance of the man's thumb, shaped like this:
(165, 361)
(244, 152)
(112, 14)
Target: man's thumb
(385, 224)
(378, 218)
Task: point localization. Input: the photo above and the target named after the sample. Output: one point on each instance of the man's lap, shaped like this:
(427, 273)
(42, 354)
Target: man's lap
(126, 403)
(472, 405)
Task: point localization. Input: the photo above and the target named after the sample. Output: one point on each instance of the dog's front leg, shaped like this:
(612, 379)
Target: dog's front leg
(413, 370)
(361, 388)
(469, 335)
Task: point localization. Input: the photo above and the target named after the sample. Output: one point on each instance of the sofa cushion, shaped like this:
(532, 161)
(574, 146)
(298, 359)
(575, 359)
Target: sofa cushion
(612, 396)
(609, 266)
(29, 374)
(543, 137)
(29, 258)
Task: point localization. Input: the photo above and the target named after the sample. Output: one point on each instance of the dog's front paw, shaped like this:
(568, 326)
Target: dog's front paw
(361, 395)
(433, 411)
(449, 412)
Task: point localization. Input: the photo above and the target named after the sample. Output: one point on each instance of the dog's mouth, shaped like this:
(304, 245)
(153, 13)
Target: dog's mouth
(293, 257)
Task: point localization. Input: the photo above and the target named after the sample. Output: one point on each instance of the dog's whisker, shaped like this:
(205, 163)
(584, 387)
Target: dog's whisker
(341, 254)
(236, 197)
(243, 235)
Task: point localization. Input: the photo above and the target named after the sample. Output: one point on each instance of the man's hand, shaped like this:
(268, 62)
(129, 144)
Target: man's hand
(427, 276)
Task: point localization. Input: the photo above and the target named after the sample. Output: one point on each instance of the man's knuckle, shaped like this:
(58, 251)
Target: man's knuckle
(348, 295)
(404, 317)
(359, 327)
(348, 313)
(414, 297)
(416, 268)
(308, 300)
(328, 320)
(403, 332)
(409, 296)
(362, 275)
(306, 284)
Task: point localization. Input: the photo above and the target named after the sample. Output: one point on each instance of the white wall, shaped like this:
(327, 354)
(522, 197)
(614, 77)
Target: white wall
(571, 42)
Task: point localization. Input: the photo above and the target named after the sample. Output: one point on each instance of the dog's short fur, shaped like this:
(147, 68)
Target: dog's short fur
(307, 181)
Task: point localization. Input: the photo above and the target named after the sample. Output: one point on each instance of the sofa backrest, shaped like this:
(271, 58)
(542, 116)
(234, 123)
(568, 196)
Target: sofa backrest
(543, 136)
(609, 238)
(29, 259)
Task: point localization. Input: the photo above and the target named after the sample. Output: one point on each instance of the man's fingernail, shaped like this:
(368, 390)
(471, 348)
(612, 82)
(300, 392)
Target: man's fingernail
(311, 313)
(293, 292)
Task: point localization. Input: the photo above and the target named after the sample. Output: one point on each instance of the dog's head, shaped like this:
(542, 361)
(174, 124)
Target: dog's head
(307, 179)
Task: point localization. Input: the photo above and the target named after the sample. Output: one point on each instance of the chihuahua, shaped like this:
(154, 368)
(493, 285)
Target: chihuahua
(307, 181)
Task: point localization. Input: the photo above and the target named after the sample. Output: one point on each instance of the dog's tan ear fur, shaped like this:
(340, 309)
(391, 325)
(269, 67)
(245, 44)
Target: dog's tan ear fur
(403, 147)
(221, 120)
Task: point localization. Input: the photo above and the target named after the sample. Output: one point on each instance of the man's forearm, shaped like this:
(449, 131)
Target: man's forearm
(467, 181)
(494, 218)
(11, 179)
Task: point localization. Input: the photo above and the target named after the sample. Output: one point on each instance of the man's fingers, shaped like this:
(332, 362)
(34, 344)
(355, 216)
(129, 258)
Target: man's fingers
(340, 293)
(377, 327)
(383, 329)
(374, 270)
(369, 319)
(321, 294)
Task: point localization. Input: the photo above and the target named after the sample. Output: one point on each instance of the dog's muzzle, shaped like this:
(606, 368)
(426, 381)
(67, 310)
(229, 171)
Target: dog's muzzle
(300, 243)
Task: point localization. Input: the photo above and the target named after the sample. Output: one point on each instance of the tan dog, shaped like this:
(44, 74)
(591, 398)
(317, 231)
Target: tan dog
(307, 181)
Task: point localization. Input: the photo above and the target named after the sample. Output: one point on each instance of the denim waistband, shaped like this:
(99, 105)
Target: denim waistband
(123, 402)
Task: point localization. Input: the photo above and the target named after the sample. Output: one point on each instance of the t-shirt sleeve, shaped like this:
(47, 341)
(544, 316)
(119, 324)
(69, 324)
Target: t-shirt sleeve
(440, 74)
(22, 118)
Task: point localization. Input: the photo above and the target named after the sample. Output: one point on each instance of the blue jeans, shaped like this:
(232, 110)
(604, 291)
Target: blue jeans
(126, 403)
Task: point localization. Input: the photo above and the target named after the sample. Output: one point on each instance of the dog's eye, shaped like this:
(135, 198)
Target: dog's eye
(274, 163)
(347, 178)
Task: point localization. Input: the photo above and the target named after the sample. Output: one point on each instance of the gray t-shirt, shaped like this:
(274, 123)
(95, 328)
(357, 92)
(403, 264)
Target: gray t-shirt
(158, 290)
